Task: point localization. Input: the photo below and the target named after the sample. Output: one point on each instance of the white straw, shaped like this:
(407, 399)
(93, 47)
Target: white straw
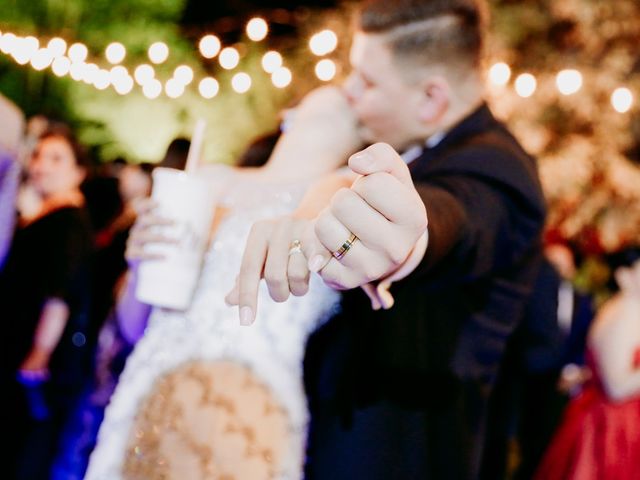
(193, 157)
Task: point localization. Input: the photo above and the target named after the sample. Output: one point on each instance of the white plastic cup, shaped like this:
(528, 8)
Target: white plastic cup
(188, 200)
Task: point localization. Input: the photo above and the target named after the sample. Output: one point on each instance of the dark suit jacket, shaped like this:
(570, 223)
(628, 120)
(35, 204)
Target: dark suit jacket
(437, 351)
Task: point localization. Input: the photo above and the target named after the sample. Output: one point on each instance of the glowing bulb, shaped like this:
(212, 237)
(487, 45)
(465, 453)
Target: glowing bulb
(144, 73)
(158, 52)
(526, 85)
(90, 73)
(152, 89)
(569, 81)
(323, 43)
(209, 46)
(102, 79)
(76, 70)
(42, 59)
(229, 58)
(25, 49)
(257, 29)
(61, 66)
(281, 77)
(326, 70)
(173, 88)
(57, 46)
(117, 73)
(123, 84)
(115, 53)
(622, 100)
(7, 43)
(271, 61)
(500, 74)
(78, 52)
(208, 87)
(31, 44)
(241, 82)
(183, 74)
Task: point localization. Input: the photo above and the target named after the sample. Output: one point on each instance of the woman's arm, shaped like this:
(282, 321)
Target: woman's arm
(615, 339)
(131, 313)
(51, 324)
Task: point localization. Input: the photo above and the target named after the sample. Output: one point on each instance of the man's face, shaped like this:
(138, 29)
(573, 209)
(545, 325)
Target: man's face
(385, 103)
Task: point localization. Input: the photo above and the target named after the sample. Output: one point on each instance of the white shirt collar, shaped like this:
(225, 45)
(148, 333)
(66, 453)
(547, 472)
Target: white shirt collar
(410, 154)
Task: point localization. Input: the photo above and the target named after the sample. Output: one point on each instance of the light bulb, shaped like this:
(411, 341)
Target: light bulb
(257, 29)
(209, 46)
(241, 82)
(323, 43)
(208, 87)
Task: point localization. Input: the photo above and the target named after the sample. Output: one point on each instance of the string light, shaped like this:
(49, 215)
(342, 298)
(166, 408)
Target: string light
(229, 58)
(152, 89)
(257, 29)
(526, 85)
(183, 74)
(57, 46)
(7, 43)
(174, 88)
(569, 81)
(500, 74)
(115, 53)
(61, 66)
(27, 50)
(158, 52)
(102, 79)
(41, 59)
(622, 100)
(117, 74)
(78, 52)
(144, 73)
(241, 82)
(323, 43)
(209, 46)
(281, 78)
(326, 70)
(271, 61)
(24, 49)
(123, 84)
(208, 87)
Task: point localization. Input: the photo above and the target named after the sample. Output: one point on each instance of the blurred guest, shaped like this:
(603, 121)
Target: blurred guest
(10, 143)
(599, 437)
(530, 392)
(44, 301)
(111, 314)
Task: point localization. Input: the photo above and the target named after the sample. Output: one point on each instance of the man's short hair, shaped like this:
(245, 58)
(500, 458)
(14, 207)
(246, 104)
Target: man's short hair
(429, 32)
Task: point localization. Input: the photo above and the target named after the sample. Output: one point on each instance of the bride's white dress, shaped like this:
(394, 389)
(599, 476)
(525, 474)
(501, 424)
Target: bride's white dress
(202, 397)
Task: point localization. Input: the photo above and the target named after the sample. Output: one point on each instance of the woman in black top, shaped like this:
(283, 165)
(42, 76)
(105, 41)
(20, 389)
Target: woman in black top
(43, 303)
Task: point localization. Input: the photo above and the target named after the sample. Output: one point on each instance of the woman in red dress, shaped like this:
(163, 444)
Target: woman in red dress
(599, 437)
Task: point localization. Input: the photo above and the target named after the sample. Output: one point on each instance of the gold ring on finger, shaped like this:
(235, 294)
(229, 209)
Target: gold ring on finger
(346, 246)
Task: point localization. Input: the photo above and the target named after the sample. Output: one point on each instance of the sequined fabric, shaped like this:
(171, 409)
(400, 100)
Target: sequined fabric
(202, 397)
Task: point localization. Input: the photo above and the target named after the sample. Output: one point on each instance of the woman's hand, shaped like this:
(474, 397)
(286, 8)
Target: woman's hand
(273, 252)
(146, 230)
(35, 367)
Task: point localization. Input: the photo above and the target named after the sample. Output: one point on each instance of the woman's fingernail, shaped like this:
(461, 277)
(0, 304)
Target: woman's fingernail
(316, 262)
(246, 316)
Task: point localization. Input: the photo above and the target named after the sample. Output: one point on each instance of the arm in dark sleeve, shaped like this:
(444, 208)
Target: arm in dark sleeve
(471, 231)
(66, 251)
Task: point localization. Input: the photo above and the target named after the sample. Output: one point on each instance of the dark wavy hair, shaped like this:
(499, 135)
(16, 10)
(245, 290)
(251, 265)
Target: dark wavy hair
(61, 130)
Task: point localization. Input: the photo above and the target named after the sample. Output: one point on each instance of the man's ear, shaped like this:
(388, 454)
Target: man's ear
(436, 95)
